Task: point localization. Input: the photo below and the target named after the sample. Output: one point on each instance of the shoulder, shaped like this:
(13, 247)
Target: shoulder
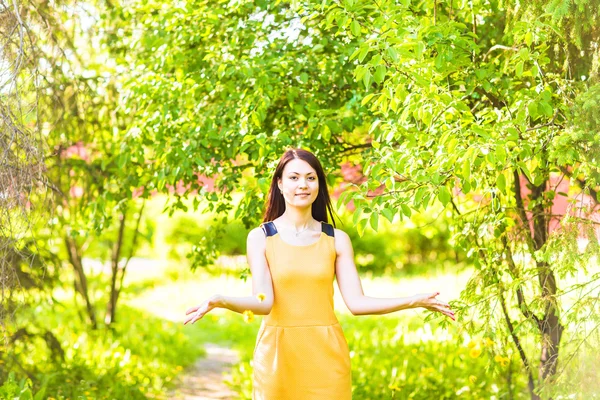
(342, 241)
(338, 233)
(256, 236)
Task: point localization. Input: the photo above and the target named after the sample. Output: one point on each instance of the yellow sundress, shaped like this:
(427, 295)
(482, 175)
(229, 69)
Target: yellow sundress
(301, 352)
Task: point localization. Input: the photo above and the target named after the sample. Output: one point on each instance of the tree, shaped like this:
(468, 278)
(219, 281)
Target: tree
(63, 155)
(21, 162)
(479, 105)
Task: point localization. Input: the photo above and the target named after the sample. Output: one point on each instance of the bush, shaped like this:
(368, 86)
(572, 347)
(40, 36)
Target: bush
(417, 245)
(139, 357)
(420, 244)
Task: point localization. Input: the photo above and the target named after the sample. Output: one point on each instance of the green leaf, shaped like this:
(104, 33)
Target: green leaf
(501, 183)
(388, 213)
(406, 210)
(380, 72)
(532, 108)
(360, 71)
(444, 195)
(356, 216)
(501, 154)
(304, 77)
(374, 125)
(360, 228)
(535, 71)
(524, 168)
(255, 119)
(452, 145)
(466, 169)
(355, 28)
(393, 54)
(419, 49)
(363, 52)
(519, 68)
(545, 108)
(374, 221)
(528, 38)
(419, 196)
(366, 99)
(367, 79)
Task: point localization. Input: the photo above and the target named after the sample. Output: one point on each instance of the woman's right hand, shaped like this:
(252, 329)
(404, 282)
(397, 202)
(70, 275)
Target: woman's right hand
(201, 310)
(429, 302)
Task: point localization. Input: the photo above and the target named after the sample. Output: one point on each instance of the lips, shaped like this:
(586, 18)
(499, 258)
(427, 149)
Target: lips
(303, 194)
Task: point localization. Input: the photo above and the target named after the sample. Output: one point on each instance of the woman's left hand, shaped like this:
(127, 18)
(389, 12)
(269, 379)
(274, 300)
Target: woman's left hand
(429, 301)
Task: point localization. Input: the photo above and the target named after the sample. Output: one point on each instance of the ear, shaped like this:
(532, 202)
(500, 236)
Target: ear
(279, 183)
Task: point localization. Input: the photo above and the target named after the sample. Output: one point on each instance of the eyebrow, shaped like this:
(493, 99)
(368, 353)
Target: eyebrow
(294, 172)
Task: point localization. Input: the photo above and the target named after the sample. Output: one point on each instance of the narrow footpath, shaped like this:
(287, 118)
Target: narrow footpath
(205, 379)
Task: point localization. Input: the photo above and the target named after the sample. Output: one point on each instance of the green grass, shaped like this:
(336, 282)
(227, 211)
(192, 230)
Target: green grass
(401, 356)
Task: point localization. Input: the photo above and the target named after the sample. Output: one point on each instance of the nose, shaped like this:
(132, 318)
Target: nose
(302, 183)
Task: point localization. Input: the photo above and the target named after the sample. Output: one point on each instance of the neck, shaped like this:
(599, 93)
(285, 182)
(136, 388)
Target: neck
(297, 218)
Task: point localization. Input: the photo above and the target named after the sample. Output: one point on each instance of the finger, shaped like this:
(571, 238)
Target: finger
(446, 312)
(192, 309)
(193, 318)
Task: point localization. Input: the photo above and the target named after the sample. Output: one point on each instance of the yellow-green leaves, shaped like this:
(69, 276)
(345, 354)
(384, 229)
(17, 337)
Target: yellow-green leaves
(355, 28)
(444, 195)
(379, 75)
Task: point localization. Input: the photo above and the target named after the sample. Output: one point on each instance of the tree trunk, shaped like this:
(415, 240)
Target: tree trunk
(80, 278)
(111, 309)
(115, 287)
(550, 326)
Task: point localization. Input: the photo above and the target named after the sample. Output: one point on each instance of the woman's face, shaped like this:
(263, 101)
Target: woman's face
(299, 183)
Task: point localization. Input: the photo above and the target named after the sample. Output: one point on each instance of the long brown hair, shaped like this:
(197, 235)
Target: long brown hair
(275, 201)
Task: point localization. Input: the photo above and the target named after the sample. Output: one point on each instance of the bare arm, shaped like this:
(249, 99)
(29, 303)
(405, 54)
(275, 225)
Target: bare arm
(261, 284)
(354, 297)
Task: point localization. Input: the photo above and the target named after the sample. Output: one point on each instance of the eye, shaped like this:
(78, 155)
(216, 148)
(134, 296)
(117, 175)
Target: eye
(293, 177)
(312, 178)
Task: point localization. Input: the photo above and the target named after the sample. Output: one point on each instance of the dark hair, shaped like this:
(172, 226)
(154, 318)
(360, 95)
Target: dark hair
(275, 201)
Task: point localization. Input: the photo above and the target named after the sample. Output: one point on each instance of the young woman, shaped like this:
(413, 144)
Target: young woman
(301, 352)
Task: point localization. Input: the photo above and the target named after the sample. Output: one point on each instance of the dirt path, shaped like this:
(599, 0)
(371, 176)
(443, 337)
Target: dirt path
(205, 379)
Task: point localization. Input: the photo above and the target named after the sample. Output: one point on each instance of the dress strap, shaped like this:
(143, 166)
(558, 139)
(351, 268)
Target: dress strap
(327, 228)
(269, 228)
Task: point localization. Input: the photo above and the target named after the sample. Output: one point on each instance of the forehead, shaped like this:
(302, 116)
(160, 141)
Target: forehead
(299, 166)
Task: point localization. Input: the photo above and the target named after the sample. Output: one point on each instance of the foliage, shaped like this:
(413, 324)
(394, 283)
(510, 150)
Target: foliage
(189, 230)
(139, 357)
(479, 107)
(476, 106)
(21, 390)
(422, 243)
(84, 203)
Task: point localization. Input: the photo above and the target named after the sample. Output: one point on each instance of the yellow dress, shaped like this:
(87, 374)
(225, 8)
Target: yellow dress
(301, 352)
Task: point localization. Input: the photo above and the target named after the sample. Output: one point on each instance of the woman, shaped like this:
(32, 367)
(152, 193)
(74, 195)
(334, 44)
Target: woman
(301, 352)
